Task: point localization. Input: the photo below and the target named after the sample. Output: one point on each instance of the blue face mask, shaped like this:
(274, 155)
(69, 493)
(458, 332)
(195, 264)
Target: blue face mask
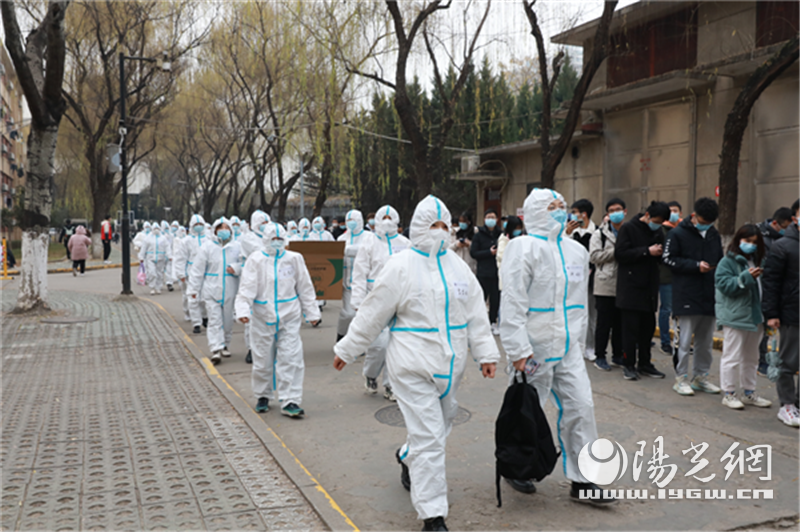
(516, 232)
(782, 232)
(224, 234)
(504, 225)
(703, 227)
(559, 216)
(463, 226)
(653, 226)
(317, 227)
(352, 225)
(371, 222)
(674, 217)
(490, 222)
(747, 248)
(617, 217)
(237, 229)
(198, 229)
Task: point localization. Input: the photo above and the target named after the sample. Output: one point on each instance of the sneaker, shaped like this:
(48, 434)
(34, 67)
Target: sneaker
(262, 405)
(754, 399)
(682, 386)
(495, 329)
(158, 291)
(731, 401)
(434, 523)
(701, 384)
(74, 272)
(205, 323)
(371, 385)
(589, 354)
(152, 291)
(389, 394)
(789, 415)
(405, 476)
(249, 358)
(630, 374)
(82, 274)
(216, 358)
(651, 371)
(196, 329)
(292, 410)
(225, 352)
(592, 494)
(763, 367)
(667, 349)
(522, 486)
(170, 288)
(602, 364)
(616, 362)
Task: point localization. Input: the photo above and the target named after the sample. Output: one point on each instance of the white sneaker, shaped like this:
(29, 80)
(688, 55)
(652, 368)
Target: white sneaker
(755, 400)
(152, 291)
(731, 401)
(389, 394)
(789, 415)
(225, 352)
(682, 386)
(701, 384)
(158, 291)
(589, 354)
(83, 274)
(215, 357)
(495, 329)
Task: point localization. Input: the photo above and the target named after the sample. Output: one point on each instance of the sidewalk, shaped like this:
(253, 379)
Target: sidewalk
(111, 423)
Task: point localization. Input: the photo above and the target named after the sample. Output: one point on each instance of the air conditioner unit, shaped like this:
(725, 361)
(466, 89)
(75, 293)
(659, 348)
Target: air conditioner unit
(470, 163)
(5, 187)
(4, 148)
(13, 157)
(13, 191)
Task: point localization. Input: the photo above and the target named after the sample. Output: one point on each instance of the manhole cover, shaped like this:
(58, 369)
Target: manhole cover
(66, 320)
(392, 416)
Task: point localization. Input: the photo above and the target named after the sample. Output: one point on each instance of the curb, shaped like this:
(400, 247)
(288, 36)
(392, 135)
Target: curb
(88, 268)
(329, 512)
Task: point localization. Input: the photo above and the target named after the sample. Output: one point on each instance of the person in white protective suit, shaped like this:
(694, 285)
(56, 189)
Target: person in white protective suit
(437, 314)
(237, 229)
(374, 251)
(253, 241)
(214, 276)
(166, 232)
(303, 231)
(291, 228)
(138, 240)
(318, 231)
(352, 237)
(177, 242)
(545, 292)
(276, 293)
(156, 253)
(183, 262)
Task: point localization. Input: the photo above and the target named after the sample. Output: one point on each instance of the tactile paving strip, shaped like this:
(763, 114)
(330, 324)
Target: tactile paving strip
(113, 425)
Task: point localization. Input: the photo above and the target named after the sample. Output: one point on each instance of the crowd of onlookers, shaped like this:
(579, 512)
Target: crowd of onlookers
(662, 268)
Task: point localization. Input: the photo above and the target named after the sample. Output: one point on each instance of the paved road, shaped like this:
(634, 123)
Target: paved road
(351, 453)
(112, 424)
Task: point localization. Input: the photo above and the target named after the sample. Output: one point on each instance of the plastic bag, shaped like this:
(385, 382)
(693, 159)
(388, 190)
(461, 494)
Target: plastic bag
(141, 277)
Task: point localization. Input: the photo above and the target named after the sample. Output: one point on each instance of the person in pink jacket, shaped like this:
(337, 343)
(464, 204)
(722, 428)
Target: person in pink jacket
(79, 249)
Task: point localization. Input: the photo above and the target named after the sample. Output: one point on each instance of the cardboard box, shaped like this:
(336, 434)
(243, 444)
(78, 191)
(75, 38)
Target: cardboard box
(325, 263)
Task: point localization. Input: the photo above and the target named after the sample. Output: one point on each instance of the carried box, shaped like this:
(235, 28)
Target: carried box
(325, 263)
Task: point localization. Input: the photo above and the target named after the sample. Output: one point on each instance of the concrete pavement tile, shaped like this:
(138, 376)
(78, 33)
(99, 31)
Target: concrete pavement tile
(237, 521)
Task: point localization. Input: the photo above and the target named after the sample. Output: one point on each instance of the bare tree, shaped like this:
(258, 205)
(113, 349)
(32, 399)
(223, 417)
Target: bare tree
(42, 89)
(735, 126)
(553, 153)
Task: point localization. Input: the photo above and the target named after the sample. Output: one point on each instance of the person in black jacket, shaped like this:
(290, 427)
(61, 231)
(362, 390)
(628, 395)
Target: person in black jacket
(779, 303)
(483, 250)
(692, 252)
(66, 233)
(638, 252)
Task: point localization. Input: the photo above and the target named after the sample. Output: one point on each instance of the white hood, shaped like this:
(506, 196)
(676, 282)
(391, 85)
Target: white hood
(358, 217)
(428, 211)
(537, 218)
(256, 219)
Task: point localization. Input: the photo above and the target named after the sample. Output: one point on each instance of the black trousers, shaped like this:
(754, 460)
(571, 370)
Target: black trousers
(79, 264)
(66, 247)
(106, 249)
(637, 333)
(609, 325)
(492, 293)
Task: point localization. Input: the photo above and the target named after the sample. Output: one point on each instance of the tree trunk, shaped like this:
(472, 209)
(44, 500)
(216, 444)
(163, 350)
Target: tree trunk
(102, 200)
(735, 126)
(326, 171)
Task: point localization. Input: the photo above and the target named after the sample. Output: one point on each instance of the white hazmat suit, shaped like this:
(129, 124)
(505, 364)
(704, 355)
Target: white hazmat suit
(253, 241)
(318, 232)
(545, 292)
(156, 253)
(183, 262)
(276, 292)
(436, 312)
(352, 238)
(303, 231)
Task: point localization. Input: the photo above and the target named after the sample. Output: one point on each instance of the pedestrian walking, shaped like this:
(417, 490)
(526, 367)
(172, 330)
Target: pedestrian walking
(319, 233)
(438, 318)
(462, 240)
(484, 251)
(352, 237)
(253, 242)
(638, 251)
(665, 282)
(303, 231)
(66, 233)
(601, 254)
(188, 249)
(156, 253)
(692, 252)
(780, 305)
(106, 236)
(78, 248)
(738, 311)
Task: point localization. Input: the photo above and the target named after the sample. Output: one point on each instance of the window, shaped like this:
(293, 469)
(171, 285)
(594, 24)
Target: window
(776, 22)
(654, 48)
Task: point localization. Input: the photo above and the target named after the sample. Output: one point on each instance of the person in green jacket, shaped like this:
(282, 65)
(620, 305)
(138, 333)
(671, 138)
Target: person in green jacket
(738, 309)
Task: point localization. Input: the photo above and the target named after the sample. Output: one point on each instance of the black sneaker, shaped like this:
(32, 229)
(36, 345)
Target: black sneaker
(602, 364)
(196, 329)
(434, 523)
(667, 349)
(292, 410)
(763, 367)
(318, 323)
(651, 371)
(405, 476)
(262, 405)
(629, 374)
(522, 486)
(339, 337)
(617, 362)
(591, 494)
(205, 323)
(249, 358)
(170, 288)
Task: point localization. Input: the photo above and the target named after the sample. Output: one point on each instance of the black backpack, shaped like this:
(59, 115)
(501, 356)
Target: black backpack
(524, 446)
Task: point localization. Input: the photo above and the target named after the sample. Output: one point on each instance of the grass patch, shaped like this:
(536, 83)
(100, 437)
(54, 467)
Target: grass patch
(56, 251)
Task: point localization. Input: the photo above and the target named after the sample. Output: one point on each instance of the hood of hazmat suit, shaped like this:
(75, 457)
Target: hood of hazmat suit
(321, 235)
(352, 239)
(303, 230)
(189, 246)
(209, 274)
(254, 239)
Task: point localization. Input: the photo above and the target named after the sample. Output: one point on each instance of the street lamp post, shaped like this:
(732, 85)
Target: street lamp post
(123, 162)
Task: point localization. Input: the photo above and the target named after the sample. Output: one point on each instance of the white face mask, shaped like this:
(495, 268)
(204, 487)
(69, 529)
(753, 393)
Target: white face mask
(387, 227)
(440, 237)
